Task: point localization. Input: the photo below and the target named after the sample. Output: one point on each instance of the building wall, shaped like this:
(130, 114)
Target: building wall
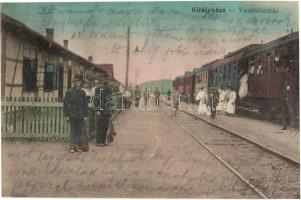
(15, 48)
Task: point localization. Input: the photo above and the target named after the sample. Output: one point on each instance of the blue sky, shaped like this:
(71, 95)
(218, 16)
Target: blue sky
(169, 36)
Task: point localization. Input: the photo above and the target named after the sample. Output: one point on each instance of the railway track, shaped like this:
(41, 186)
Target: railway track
(268, 173)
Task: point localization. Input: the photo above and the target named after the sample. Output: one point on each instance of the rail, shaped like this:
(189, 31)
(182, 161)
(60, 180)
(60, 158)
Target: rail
(259, 145)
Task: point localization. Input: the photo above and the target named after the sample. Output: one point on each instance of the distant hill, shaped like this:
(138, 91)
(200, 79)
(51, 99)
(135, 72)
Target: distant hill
(163, 85)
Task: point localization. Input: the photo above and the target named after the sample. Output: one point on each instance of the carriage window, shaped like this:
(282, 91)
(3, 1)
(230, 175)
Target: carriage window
(290, 51)
(229, 71)
(259, 69)
(276, 56)
(252, 69)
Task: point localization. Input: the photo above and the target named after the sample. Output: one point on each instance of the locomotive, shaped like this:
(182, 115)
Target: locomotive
(256, 72)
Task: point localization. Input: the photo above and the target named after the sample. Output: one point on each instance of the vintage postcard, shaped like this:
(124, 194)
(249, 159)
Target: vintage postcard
(196, 99)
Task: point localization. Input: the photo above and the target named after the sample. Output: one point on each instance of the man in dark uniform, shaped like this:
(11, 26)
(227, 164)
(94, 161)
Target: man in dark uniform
(168, 95)
(137, 96)
(286, 105)
(157, 95)
(213, 99)
(146, 97)
(104, 111)
(76, 111)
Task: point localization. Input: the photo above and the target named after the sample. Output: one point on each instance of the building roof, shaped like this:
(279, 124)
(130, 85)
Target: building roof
(17, 26)
(108, 68)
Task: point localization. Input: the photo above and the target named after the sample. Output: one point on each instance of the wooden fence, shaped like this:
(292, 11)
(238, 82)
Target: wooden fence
(36, 119)
(40, 119)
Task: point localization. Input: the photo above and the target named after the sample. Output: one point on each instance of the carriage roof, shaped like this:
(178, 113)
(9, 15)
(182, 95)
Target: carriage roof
(235, 56)
(279, 42)
(228, 60)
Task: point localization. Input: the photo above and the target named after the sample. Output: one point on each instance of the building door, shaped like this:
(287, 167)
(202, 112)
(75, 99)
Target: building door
(61, 83)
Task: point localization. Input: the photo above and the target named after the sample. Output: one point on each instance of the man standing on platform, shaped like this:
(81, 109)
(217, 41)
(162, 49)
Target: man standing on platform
(168, 95)
(76, 111)
(137, 96)
(157, 96)
(286, 106)
(213, 99)
(104, 111)
(146, 97)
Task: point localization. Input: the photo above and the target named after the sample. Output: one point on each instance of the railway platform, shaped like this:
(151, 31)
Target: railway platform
(264, 132)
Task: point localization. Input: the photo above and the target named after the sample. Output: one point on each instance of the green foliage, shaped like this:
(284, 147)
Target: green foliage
(163, 85)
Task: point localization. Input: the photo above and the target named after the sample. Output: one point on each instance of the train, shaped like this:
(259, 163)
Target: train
(256, 72)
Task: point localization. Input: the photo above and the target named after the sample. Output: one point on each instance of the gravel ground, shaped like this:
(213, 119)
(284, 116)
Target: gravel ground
(275, 177)
(152, 157)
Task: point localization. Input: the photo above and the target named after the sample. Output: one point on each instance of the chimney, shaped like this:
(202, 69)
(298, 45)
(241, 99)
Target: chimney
(66, 44)
(90, 58)
(50, 33)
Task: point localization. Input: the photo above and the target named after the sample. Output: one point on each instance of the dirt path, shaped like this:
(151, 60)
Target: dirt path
(151, 157)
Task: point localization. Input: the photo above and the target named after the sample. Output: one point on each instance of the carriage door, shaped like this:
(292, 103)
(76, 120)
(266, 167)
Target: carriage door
(61, 82)
(268, 65)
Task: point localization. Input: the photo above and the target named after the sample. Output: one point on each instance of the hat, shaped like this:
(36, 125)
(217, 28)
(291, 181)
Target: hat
(78, 77)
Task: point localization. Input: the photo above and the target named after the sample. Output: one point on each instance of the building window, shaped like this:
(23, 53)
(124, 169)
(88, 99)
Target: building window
(30, 74)
(69, 83)
(50, 77)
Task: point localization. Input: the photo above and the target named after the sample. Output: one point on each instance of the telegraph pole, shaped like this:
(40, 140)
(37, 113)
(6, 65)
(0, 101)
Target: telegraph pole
(136, 76)
(127, 59)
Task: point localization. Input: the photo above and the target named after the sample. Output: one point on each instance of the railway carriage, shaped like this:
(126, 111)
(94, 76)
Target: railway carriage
(268, 68)
(204, 76)
(189, 82)
(178, 84)
(228, 71)
(256, 72)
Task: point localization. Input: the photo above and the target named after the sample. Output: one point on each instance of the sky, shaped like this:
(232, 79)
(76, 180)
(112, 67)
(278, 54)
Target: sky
(166, 38)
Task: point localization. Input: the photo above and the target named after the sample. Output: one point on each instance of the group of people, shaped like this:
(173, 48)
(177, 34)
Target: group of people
(79, 108)
(215, 100)
(137, 96)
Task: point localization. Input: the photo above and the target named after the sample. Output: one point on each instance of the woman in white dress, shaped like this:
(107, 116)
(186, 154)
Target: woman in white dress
(206, 108)
(231, 102)
(226, 99)
(220, 105)
(201, 97)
